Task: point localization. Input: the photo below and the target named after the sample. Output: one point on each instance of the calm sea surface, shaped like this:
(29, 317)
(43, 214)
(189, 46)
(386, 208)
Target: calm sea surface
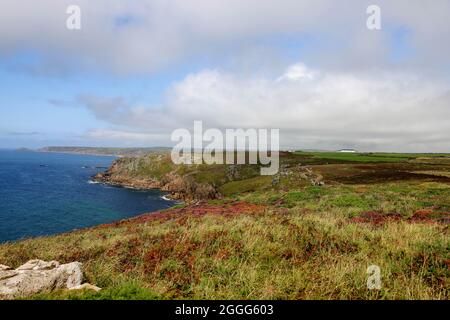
(49, 193)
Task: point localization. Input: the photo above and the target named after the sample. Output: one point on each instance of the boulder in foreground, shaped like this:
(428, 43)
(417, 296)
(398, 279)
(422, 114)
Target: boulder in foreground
(38, 276)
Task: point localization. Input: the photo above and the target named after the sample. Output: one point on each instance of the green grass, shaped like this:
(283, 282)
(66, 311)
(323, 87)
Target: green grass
(131, 290)
(359, 157)
(404, 198)
(369, 157)
(247, 185)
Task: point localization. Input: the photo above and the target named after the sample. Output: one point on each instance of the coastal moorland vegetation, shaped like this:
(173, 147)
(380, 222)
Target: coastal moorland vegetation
(309, 232)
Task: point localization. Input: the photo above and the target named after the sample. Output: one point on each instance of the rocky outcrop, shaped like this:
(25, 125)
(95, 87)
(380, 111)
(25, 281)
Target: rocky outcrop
(127, 181)
(316, 179)
(86, 286)
(38, 276)
(179, 187)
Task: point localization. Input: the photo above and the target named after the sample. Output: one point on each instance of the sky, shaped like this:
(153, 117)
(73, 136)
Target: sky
(137, 70)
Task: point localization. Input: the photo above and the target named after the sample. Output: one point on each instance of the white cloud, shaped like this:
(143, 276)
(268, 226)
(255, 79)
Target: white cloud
(158, 33)
(298, 72)
(384, 111)
(127, 138)
(348, 97)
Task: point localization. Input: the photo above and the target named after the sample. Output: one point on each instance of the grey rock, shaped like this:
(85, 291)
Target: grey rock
(39, 265)
(37, 276)
(3, 267)
(86, 286)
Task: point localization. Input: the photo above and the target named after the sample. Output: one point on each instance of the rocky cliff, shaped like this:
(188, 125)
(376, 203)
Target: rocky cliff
(156, 171)
(202, 181)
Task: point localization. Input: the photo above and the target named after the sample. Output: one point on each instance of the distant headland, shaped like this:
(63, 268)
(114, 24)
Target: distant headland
(100, 151)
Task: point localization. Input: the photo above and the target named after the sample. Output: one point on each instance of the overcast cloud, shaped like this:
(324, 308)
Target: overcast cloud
(371, 90)
(315, 109)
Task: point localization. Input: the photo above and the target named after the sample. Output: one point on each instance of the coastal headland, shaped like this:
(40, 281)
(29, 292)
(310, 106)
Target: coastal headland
(311, 231)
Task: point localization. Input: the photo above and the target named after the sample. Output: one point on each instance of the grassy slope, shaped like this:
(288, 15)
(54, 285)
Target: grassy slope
(304, 242)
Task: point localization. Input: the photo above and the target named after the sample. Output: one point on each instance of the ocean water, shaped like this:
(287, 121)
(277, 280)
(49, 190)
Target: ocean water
(49, 193)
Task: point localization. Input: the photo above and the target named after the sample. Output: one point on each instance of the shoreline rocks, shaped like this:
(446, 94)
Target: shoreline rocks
(178, 187)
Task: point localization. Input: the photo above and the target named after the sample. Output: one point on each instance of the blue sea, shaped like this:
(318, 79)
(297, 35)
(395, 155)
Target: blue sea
(49, 193)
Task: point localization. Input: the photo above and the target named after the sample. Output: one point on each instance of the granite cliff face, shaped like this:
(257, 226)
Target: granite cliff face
(203, 181)
(189, 182)
(156, 171)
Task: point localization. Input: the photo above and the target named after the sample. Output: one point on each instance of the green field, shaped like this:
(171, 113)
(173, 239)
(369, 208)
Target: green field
(370, 157)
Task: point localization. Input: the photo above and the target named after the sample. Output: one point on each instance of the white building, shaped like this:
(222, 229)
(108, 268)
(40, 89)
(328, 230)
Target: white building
(347, 150)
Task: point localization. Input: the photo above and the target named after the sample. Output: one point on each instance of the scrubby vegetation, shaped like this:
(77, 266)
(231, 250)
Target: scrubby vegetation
(280, 237)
